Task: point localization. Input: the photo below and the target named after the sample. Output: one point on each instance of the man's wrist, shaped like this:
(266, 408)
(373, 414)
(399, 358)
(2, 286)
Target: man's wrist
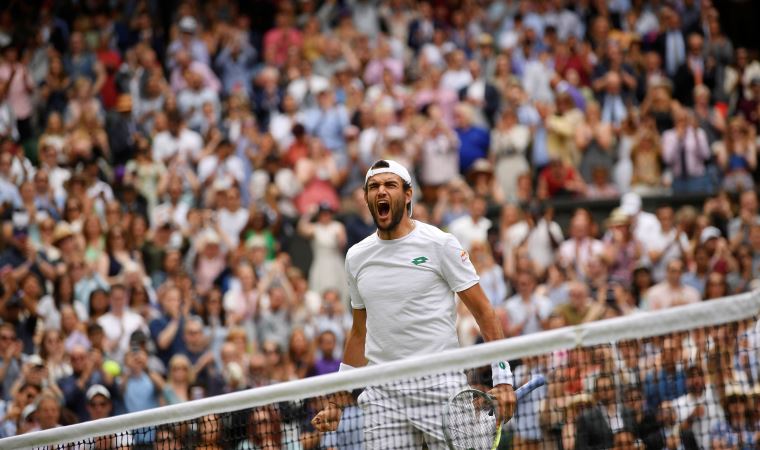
(501, 373)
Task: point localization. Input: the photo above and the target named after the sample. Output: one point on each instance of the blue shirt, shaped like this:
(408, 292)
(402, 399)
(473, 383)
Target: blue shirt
(328, 126)
(662, 385)
(236, 73)
(157, 326)
(473, 144)
(140, 393)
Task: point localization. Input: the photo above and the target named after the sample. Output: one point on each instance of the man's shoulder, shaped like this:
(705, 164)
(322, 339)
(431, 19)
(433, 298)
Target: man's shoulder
(362, 246)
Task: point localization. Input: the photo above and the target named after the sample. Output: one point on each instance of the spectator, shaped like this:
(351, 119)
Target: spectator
(672, 291)
(669, 433)
(178, 381)
(698, 69)
(737, 156)
(735, 429)
(327, 361)
(527, 311)
(580, 247)
(491, 274)
(580, 308)
(667, 380)
(10, 358)
(622, 250)
(593, 427)
(667, 244)
(120, 322)
(473, 227)
(685, 151)
(473, 140)
(328, 238)
(699, 410)
(509, 144)
(48, 412)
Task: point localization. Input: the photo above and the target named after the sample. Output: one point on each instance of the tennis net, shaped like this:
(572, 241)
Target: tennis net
(685, 377)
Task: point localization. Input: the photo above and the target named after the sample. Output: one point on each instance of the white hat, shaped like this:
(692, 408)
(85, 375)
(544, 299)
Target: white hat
(393, 167)
(28, 411)
(630, 204)
(97, 389)
(35, 360)
(188, 24)
(709, 233)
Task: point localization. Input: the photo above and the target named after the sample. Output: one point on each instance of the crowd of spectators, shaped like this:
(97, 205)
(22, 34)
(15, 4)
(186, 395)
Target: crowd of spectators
(179, 185)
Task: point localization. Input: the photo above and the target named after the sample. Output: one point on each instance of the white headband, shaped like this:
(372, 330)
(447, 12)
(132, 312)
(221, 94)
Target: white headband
(395, 168)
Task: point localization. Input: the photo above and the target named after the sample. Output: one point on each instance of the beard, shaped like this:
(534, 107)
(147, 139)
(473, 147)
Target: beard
(398, 209)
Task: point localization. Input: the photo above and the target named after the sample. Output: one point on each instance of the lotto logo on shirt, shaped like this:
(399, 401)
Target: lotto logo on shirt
(464, 256)
(419, 260)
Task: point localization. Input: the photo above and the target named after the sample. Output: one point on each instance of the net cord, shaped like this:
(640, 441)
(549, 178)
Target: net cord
(640, 325)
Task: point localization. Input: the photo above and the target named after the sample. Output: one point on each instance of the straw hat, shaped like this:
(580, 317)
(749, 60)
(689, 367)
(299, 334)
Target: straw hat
(62, 231)
(578, 400)
(735, 390)
(481, 165)
(618, 217)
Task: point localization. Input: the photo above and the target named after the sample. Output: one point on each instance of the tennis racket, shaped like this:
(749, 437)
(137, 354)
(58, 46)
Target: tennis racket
(469, 417)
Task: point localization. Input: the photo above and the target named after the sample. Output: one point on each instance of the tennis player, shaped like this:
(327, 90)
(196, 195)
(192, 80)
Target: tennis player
(402, 281)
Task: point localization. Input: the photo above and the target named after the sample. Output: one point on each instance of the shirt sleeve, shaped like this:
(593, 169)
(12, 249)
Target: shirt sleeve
(456, 267)
(357, 302)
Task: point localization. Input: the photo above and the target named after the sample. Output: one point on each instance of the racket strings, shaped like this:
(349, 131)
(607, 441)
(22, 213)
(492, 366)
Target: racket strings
(471, 421)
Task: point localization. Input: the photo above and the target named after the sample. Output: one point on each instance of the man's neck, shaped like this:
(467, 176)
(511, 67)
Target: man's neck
(402, 229)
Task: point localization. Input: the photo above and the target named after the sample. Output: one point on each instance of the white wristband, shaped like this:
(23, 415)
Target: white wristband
(345, 367)
(501, 373)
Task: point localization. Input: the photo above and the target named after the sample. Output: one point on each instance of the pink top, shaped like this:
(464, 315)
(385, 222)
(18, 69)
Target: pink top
(278, 41)
(18, 95)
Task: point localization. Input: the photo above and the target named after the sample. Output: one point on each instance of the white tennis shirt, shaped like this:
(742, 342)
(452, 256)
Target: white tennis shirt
(407, 286)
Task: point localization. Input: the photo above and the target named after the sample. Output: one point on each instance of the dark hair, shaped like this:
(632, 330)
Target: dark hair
(604, 375)
(59, 280)
(694, 370)
(91, 311)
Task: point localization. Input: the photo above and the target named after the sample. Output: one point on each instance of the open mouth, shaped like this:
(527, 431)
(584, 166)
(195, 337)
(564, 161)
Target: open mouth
(383, 209)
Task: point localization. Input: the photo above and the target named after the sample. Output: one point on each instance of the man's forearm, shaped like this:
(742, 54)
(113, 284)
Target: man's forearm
(354, 352)
(489, 326)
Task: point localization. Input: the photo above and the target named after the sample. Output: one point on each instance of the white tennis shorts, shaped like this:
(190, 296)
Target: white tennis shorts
(404, 416)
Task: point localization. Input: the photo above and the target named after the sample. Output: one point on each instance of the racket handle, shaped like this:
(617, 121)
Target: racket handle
(534, 383)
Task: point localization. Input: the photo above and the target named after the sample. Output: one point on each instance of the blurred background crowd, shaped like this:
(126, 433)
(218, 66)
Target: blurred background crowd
(179, 181)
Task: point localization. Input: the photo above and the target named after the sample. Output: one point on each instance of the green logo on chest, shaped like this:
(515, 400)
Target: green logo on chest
(419, 260)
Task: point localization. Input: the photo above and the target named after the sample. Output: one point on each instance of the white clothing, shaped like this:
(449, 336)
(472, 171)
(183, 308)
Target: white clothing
(645, 225)
(404, 416)
(440, 159)
(537, 239)
(281, 129)
(454, 80)
(228, 171)
(667, 243)
(416, 316)
(518, 312)
(188, 146)
(175, 214)
(701, 426)
(120, 329)
(303, 89)
(578, 253)
(47, 310)
(509, 149)
(325, 270)
(468, 231)
(232, 223)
